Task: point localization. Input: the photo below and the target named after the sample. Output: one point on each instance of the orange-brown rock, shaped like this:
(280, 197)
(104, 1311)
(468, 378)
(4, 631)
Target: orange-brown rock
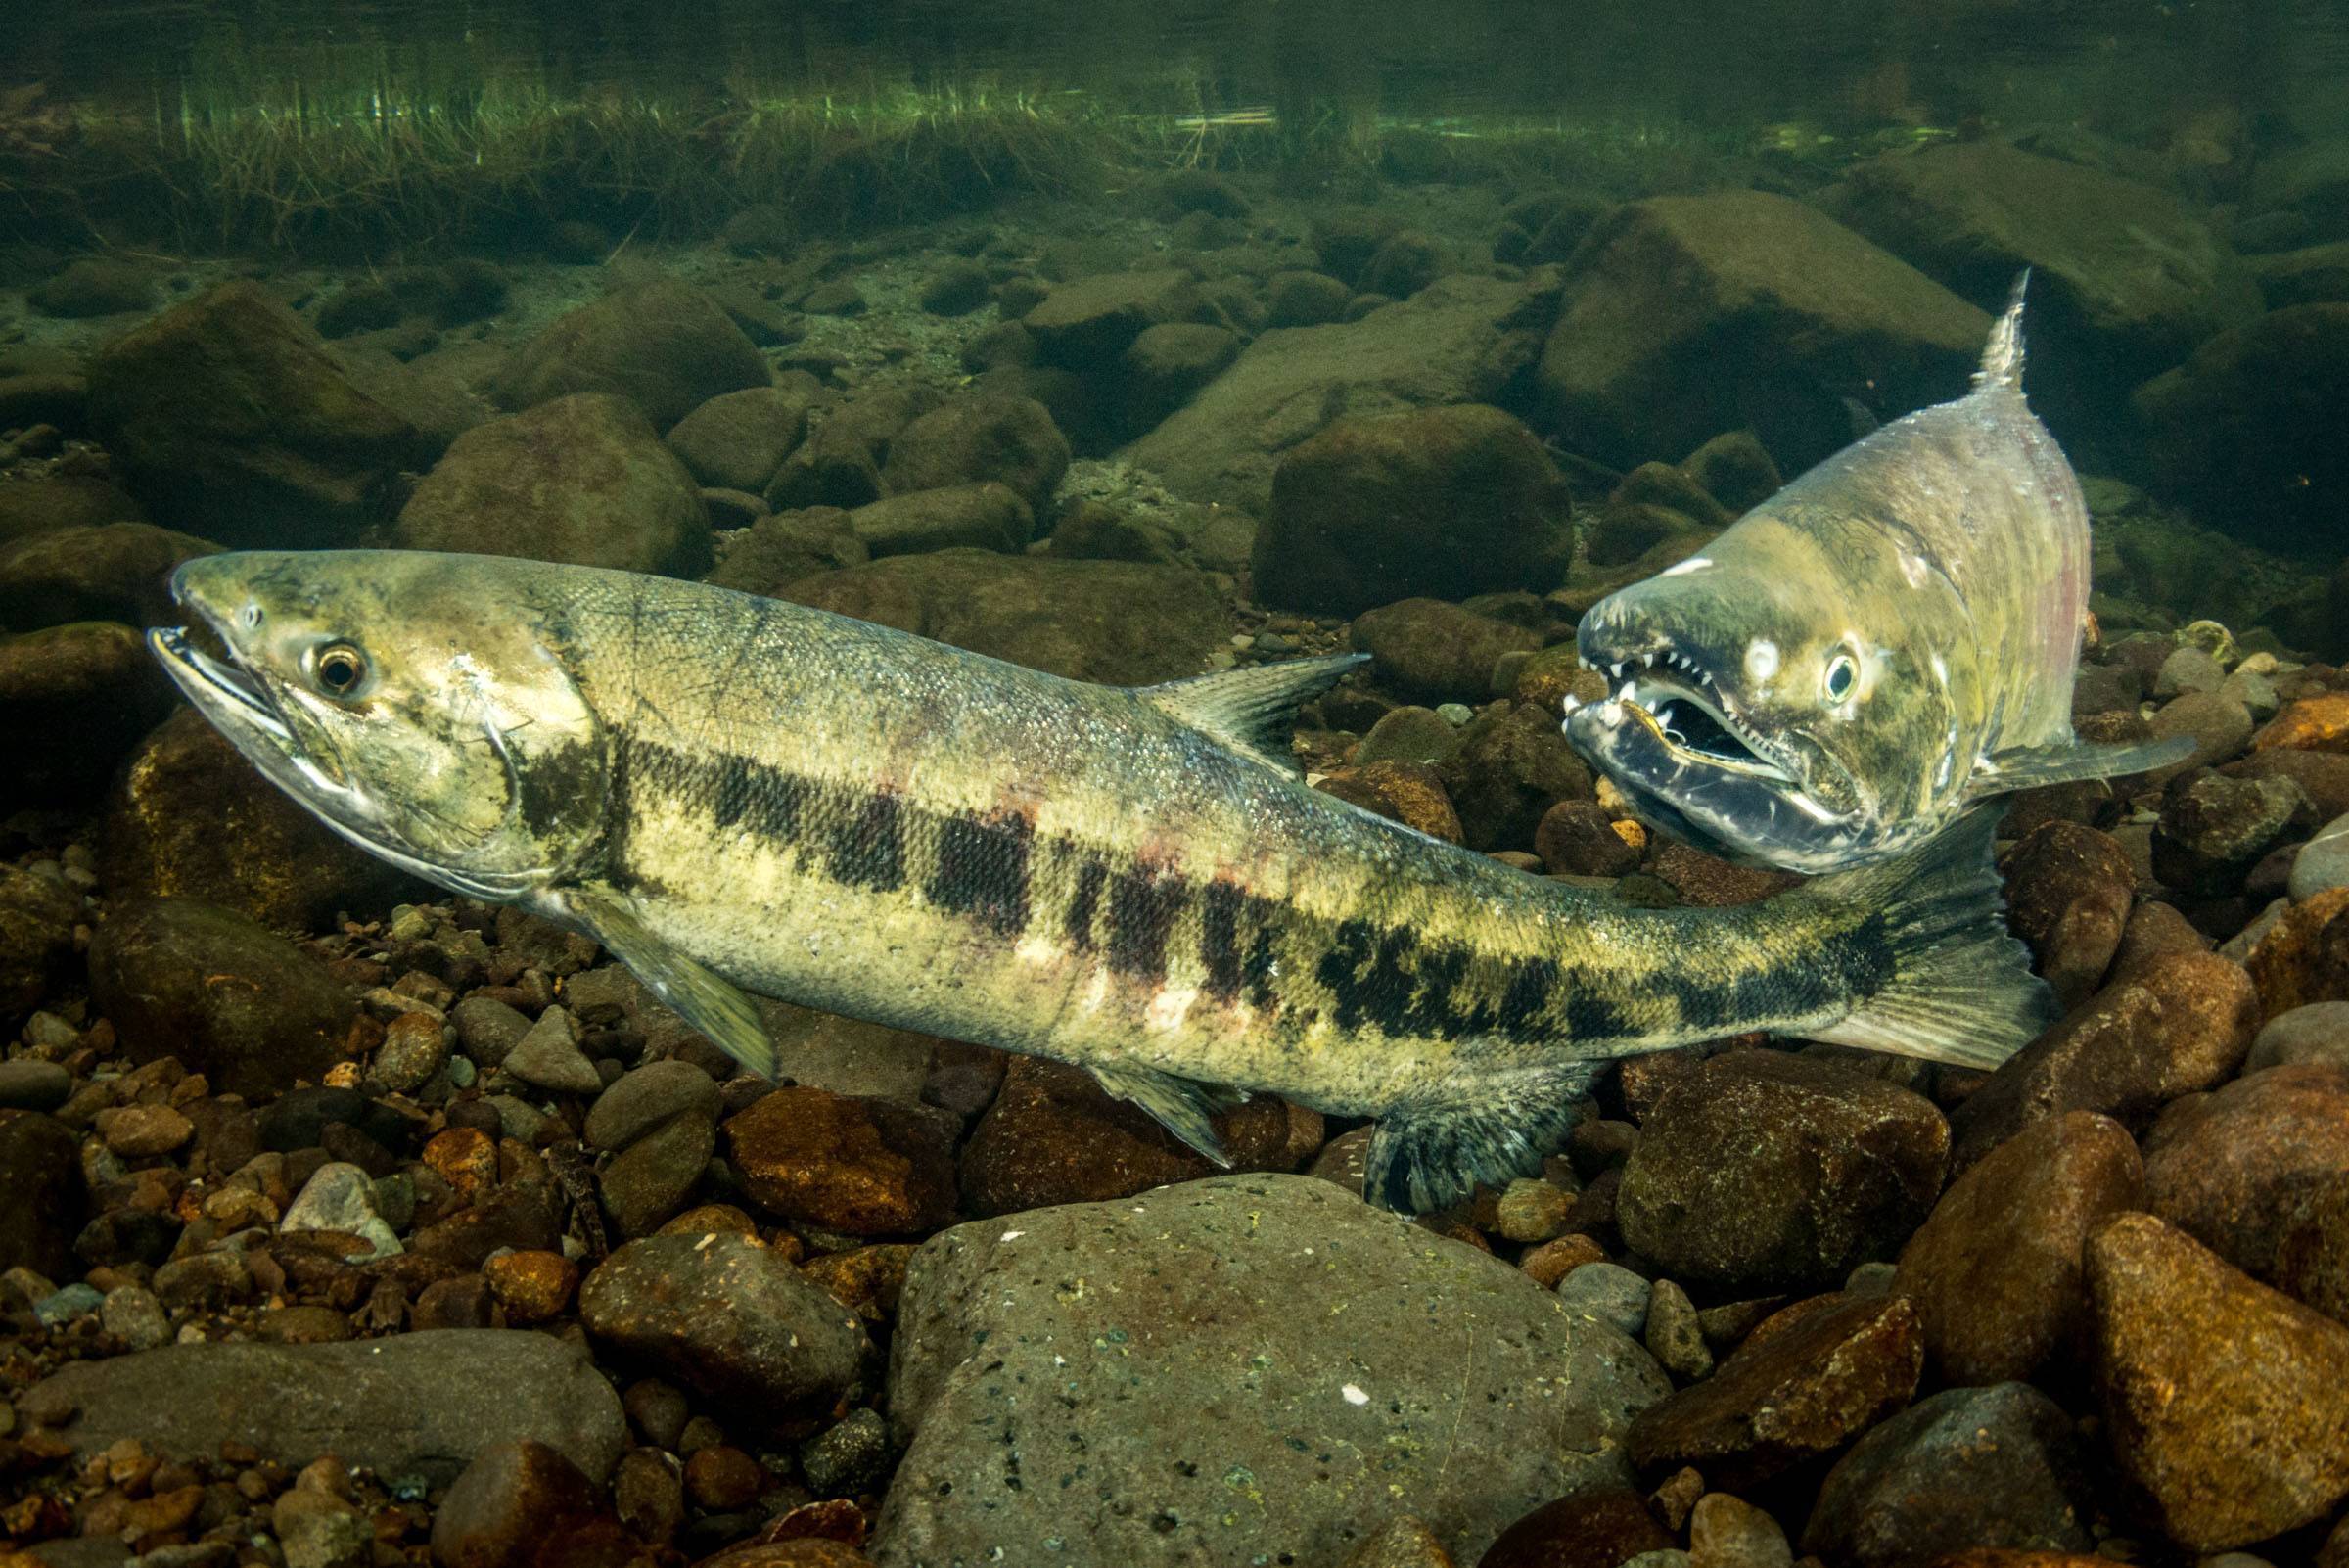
(2304, 957)
(2162, 1030)
(2068, 893)
(1995, 1270)
(2222, 1398)
(2317, 723)
(466, 1158)
(1405, 1541)
(1410, 793)
(2230, 1168)
(860, 1166)
(2312, 1257)
(1804, 1392)
(1595, 1528)
(867, 1280)
(718, 1219)
(533, 1285)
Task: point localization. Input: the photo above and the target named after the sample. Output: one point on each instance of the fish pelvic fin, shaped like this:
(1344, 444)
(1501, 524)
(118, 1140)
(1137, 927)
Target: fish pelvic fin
(1252, 711)
(1183, 1106)
(1431, 1153)
(2026, 767)
(1961, 990)
(704, 999)
(2003, 357)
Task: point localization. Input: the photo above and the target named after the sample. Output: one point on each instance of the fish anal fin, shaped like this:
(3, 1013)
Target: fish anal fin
(2027, 767)
(1961, 989)
(704, 999)
(1252, 711)
(1183, 1106)
(1430, 1154)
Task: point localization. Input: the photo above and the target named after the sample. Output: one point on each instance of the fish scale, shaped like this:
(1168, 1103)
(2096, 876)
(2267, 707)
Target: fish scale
(733, 793)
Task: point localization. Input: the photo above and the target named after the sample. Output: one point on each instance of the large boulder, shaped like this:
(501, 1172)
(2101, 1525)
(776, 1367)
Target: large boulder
(229, 417)
(1439, 502)
(1224, 443)
(581, 479)
(1151, 1353)
(76, 698)
(2246, 427)
(973, 440)
(1087, 324)
(2121, 272)
(664, 345)
(1121, 622)
(34, 502)
(1791, 317)
(413, 1409)
(110, 572)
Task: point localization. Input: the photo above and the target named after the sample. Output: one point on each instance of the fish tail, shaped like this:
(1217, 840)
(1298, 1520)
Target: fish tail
(1960, 988)
(2003, 358)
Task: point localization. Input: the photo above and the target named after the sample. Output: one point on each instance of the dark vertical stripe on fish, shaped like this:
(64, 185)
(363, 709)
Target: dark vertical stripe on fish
(1220, 955)
(983, 869)
(1143, 906)
(868, 849)
(1084, 904)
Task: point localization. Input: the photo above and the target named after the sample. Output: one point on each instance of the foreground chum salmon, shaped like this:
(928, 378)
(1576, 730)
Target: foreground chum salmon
(1869, 653)
(734, 792)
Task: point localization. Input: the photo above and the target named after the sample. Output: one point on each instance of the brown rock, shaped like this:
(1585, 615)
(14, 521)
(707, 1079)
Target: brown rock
(2171, 1028)
(1427, 650)
(863, 1166)
(2222, 1398)
(1581, 838)
(2304, 957)
(2318, 723)
(805, 1551)
(1710, 881)
(2155, 932)
(1403, 1542)
(2312, 1255)
(722, 1478)
(2230, 1168)
(1595, 1528)
(512, 1501)
(1995, 1270)
(2068, 893)
(1553, 1260)
(1410, 793)
(867, 1280)
(1804, 1392)
(532, 1286)
(1054, 1136)
(1764, 1170)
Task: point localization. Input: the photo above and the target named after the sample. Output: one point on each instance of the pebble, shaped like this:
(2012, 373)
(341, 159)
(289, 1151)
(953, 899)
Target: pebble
(59, 1307)
(1674, 1336)
(722, 1478)
(2323, 862)
(1607, 1293)
(2312, 1257)
(1605, 1524)
(2303, 956)
(646, 1097)
(533, 1285)
(646, 1181)
(133, 1314)
(648, 1492)
(859, 1166)
(2069, 889)
(1727, 1531)
(2190, 668)
(512, 1505)
(1802, 1393)
(2221, 1397)
(2315, 1034)
(848, 1458)
(1531, 1210)
(26, 1084)
(488, 1029)
(142, 1132)
(549, 1057)
(415, 1048)
(341, 1197)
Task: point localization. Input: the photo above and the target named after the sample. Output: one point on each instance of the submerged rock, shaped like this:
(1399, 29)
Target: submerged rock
(664, 345)
(231, 419)
(1199, 1411)
(80, 696)
(2230, 1168)
(110, 572)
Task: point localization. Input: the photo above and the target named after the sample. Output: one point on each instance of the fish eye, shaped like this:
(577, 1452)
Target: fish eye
(1843, 672)
(338, 669)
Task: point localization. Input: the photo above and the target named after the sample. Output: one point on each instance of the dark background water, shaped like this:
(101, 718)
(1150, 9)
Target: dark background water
(1698, 61)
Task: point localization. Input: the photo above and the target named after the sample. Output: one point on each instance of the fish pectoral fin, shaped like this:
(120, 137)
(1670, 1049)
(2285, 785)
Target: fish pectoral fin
(1185, 1107)
(1431, 1154)
(704, 999)
(1960, 988)
(2027, 767)
(1252, 711)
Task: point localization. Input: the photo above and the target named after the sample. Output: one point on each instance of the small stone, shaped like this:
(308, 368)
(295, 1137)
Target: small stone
(647, 1180)
(488, 1029)
(142, 1132)
(342, 1198)
(1803, 1393)
(860, 1166)
(2230, 1168)
(415, 1048)
(1531, 1210)
(59, 1307)
(317, 1529)
(533, 1286)
(2317, 1034)
(1598, 1527)
(648, 1492)
(2069, 890)
(1609, 1294)
(646, 1097)
(2303, 956)
(2190, 668)
(2222, 1398)
(1403, 1542)
(549, 1057)
(464, 1157)
(2323, 862)
(2312, 1255)
(28, 1085)
(513, 1500)
(849, 1458)
(133, 1314)
(1674, 1336)
(1726, 1532)
(957, 289)
(722, 1478)
(1579, 838)
(1553, 1260)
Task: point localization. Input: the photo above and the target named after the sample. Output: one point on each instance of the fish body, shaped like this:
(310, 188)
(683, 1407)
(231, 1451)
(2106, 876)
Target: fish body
(1871, 652)
(731, 792)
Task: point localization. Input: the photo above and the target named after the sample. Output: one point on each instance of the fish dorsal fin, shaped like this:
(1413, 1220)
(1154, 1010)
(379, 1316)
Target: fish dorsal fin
(1252, 711)
(1183, 1106)
(2027, 767)
(2003, 357)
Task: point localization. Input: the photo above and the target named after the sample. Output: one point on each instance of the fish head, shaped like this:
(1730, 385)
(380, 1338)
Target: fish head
(415, 708)
(1762, 715)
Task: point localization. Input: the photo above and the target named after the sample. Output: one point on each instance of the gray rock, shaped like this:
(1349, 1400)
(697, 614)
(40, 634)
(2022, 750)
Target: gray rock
(664, 345)
(728, 1318)
(581, 479)
(1727, 1531)
(1674, 1336)
(30, 1084)
(226, 996)
(549, 1057)
(2323, 861)
(2187, 670)
(231, 419)
(94, 286)
(488, 1029)
(642, 1100)
(1967, 1468)
(1211, 1418)
(649, 1178)
(414, 1408)
(341, 1197)
(2220, 725)
(1431, 650)
(134, 1314)
(2318, 1032)
(1087, 324)
(1607, 1293)
(849, 1457)
(111, 572)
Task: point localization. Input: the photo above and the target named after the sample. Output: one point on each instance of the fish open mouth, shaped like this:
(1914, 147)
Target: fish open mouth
(230, 689)
(1674, 696)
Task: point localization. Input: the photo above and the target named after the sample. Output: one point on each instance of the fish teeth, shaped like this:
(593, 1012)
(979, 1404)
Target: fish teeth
(1625, 695)
(1616, 670)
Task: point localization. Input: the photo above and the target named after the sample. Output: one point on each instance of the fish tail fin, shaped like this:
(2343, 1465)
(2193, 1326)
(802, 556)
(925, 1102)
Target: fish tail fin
(2003, 358)
(1961, 989)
